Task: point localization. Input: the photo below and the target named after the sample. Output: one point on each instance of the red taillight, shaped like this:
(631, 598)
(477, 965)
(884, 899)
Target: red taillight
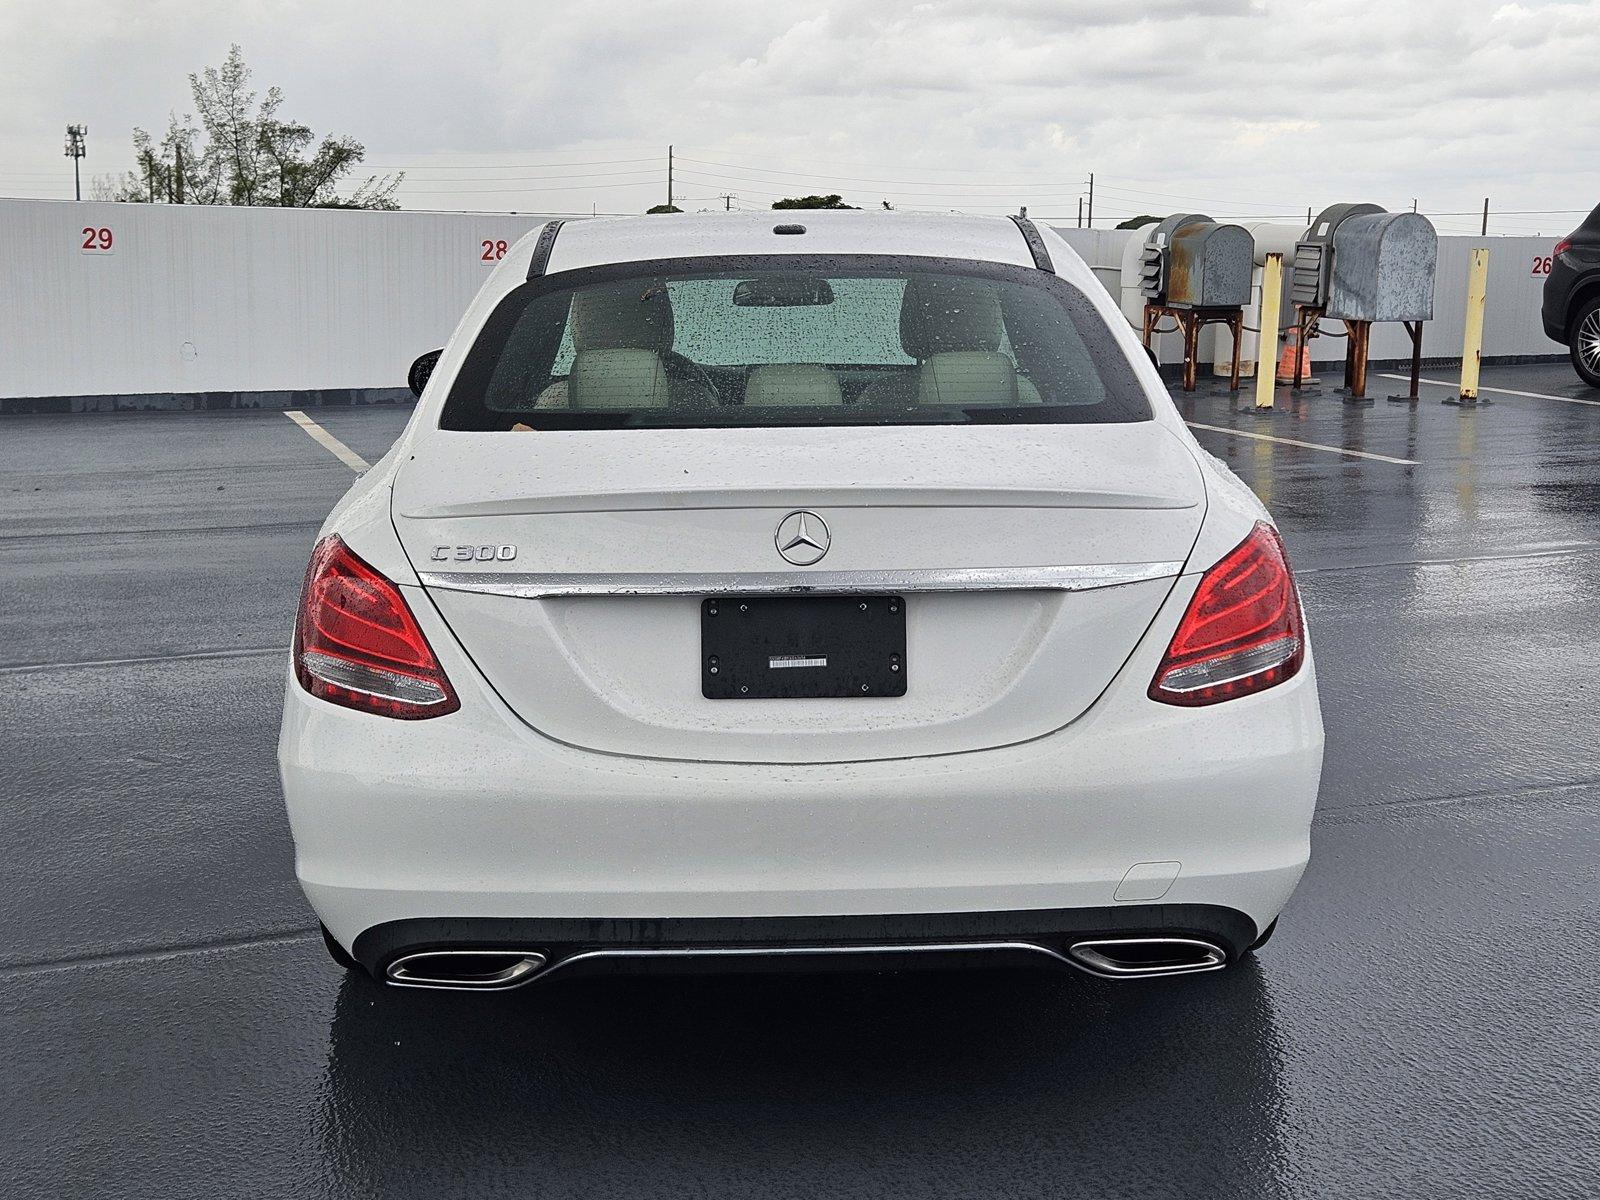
(1242, 632)
(1562, 247)
(357, 644)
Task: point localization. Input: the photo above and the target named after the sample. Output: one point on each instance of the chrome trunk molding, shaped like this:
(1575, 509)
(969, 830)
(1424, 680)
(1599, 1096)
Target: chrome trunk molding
(537, 586)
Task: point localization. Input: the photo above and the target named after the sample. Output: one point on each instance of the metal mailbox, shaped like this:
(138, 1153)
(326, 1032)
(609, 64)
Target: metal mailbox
(1190, 261)
(1312, 274)
(1196, 272)
(1359, 264)
(1383, 268)
(1153, 259)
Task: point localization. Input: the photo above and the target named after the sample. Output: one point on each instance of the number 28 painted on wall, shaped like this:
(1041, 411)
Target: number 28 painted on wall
(492, 251)
(96, 241)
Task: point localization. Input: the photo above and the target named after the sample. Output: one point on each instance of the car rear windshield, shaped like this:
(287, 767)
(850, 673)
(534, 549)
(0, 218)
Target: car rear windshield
(793, 341)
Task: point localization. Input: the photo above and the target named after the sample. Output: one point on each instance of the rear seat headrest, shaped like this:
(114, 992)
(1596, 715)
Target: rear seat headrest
(791, 384)
(939, 314)
(618, 378)
(622, 316)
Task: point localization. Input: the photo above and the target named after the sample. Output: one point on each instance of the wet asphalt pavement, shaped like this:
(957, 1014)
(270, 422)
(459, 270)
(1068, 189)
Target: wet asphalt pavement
(1425, 1023)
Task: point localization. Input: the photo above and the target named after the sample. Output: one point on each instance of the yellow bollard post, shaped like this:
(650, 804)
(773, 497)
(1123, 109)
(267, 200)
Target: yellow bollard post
(1472, 339)
(1267, 343)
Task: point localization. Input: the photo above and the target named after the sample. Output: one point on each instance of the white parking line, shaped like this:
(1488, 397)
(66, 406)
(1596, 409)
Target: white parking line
(32, 668)
(1267, 437)
(328, 442)
(1499, 391)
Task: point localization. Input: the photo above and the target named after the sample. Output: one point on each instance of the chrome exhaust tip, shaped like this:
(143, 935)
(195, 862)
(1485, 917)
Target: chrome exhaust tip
(465, 970)
(1143, 957)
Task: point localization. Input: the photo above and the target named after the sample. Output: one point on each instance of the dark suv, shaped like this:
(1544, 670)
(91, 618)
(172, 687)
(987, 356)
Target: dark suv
(1572, 297)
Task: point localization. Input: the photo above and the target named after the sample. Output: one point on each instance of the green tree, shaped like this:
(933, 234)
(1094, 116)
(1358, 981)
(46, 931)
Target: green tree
(832, 201)
(1135, 222)
(663, 208)
(241, 152)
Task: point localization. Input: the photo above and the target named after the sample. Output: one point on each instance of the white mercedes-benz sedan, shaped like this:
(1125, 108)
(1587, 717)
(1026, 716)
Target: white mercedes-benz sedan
(796, 589)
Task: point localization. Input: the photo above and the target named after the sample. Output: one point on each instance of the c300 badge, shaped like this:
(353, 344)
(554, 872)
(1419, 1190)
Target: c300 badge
(473, 553)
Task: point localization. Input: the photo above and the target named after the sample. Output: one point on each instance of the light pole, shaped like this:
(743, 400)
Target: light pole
(75, 151)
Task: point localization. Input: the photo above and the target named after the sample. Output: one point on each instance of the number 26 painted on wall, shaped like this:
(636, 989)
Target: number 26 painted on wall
(96, 241)
(1541, 265)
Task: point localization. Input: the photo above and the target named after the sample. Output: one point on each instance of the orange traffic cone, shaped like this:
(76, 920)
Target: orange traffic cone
(1292, 346)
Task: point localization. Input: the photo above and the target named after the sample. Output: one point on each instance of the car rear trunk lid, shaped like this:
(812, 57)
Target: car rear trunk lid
(572, 568)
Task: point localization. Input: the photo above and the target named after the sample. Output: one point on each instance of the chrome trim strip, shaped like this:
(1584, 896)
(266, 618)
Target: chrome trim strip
(687, 952)
(535, 586)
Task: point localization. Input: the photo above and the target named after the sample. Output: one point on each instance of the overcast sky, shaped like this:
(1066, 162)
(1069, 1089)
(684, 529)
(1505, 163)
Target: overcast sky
(1233, 107)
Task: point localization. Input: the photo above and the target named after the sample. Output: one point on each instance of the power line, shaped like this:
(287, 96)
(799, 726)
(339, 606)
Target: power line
(508, 166)
(536, 178)
(878, 165)
(576, 187)
(954, 192)
(857, 179)
(1127, 192)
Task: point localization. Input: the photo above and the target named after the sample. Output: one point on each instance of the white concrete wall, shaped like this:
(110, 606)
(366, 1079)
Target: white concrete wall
(200, 299)
(212, 299)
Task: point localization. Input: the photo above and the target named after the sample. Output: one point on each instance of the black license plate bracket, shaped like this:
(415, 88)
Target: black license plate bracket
(802, 647)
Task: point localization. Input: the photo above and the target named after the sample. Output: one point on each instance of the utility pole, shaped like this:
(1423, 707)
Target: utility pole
(1413, 204)
(669, 176)
(76, 151)
(1485, 230)
(1091, 199)
(727, 199)
(1080, 212)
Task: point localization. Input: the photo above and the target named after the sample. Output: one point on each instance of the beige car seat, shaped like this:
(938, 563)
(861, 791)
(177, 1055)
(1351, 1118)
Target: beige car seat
(952, 326)
(619, 334)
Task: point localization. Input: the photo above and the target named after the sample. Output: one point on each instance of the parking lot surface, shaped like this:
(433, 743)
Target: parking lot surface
(1426, 1021)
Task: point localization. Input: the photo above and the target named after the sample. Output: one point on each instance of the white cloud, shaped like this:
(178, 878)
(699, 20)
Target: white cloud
(1248, 108)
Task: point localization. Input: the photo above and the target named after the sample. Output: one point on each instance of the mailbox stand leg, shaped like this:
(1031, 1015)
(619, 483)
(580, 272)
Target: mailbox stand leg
(1236, 324)
(1305, 319)
(1414, 328)
(1191, 349)
(1360, 340)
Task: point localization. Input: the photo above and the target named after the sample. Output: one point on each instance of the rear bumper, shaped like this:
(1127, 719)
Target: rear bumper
(476, 816)
(1033, 937)
(1556, 307)
(1553, 312)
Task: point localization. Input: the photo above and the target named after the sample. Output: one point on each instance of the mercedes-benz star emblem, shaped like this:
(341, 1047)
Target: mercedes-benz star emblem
(803, 538)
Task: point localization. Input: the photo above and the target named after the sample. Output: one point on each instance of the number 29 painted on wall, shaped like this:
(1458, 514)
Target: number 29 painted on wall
(96, 240)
